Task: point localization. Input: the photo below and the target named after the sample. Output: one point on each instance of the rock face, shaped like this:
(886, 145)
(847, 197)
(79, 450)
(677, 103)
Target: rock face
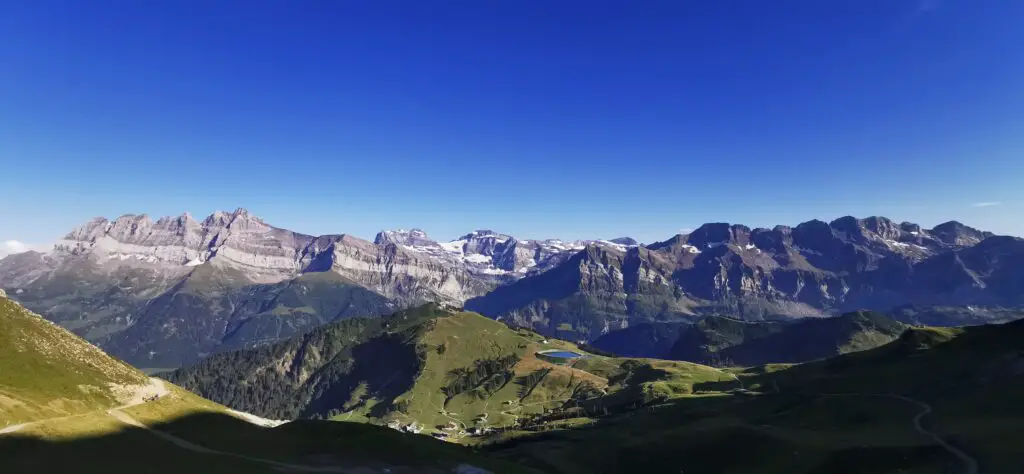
(404, 265)
(814, 269)
(237, 239)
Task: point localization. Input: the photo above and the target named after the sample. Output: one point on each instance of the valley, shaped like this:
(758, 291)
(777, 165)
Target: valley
(492, 355)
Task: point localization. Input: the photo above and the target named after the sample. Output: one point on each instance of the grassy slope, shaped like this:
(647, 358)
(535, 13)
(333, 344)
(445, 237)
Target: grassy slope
(44, 368)
(456, 342)
(973, 378)
(829, 416)
(46, 371)
(725, 341)
(435, 368)
(60, 446)
(305, 442)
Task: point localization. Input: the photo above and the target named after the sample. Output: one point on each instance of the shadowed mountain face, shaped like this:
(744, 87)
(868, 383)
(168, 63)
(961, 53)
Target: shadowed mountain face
(164, 294)
(813, 269)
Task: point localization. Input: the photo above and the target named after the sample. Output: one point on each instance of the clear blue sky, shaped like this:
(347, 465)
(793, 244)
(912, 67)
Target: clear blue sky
(562, 118)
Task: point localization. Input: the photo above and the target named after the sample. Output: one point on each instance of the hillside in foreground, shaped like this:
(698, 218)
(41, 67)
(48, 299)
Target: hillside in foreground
(935, 400)
(45, 371)
(68, 407)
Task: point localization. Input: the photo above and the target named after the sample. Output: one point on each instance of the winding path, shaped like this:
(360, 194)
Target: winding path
(184, 444)
(156, 388)
(970, 464)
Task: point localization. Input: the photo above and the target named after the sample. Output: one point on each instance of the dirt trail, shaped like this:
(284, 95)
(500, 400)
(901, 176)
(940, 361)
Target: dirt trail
(970, 464)
(184, 444)
(13, 428)
(157, 389)
(139, 395)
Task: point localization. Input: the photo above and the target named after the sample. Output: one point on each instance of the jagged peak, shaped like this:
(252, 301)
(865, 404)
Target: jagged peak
(952, 225)
(224, 218)
(877, 219)
(718, 233)
(411, 237)
(845, 223)
(909, 227)
(812, 224)
(184, 219)
(483, 234)
(674, 241)
(957, 233)
(132, 217)
(217, 218)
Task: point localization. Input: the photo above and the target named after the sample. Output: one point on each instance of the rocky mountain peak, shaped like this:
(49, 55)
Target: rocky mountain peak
(484, 234)
(217, 219)
(849, 227)
(412, 237)
(130, 225)
(240, 218)
(910, 227)
(956, 233)
(672, 243)
(813, 227)
(719, 233)
(883, 227)
(183, 221)
(777, 239)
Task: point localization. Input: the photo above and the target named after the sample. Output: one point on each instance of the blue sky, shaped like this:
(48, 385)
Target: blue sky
(567, 118)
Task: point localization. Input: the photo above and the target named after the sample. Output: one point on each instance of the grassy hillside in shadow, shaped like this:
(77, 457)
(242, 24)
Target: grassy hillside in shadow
(850, 414)
(232, 445)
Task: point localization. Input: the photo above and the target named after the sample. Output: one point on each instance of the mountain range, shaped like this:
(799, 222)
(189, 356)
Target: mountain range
(164, 294)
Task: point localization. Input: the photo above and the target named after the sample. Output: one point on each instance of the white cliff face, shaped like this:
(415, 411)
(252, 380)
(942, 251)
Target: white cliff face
(405, 265)
(407, 275)
(236, 239)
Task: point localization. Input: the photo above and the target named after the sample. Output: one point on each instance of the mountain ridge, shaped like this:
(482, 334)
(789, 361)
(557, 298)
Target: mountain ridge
(231, 273)
(813, 269)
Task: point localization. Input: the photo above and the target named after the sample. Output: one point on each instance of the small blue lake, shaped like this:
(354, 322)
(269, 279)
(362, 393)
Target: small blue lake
(560, 354)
